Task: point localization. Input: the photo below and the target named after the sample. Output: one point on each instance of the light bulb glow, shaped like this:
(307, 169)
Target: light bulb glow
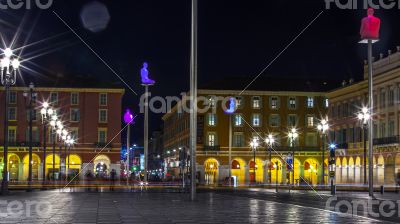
(8, 52)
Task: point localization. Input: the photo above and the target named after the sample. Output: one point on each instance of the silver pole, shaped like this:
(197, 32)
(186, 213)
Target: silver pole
(370, 129)
(128, 145)
(193, 96)
(146, 130)
(230, 148)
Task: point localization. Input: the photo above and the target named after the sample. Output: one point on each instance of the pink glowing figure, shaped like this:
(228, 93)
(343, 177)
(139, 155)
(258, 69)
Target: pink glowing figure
(145, 75)
(370, 26)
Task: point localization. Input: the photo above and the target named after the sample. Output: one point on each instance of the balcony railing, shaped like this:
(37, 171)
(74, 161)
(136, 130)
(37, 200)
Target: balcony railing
(387, 140)
(343, 145)
(214, 148)
(297, 148)
(22, 144)
(102, 144)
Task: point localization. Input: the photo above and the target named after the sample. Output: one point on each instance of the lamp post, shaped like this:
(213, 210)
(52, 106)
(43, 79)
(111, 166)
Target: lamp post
(53, 124)
(293, 135)
(128, 119)
(276, 166)
(323, 128)
(69, 142)
(332, 164)
(230, 110)
(9, 67)
(364, 117)
(32, 98)
(46, 113)
(270, 141)
(254, 144)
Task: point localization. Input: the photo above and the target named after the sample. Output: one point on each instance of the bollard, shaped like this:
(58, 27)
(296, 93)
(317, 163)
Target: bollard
(382, 189)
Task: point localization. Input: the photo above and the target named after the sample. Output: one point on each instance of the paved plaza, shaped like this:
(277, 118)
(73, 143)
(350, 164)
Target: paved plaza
(156, 207)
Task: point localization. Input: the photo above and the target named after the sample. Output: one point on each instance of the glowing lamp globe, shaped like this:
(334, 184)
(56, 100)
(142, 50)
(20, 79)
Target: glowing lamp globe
(128, 117)
(8, 52)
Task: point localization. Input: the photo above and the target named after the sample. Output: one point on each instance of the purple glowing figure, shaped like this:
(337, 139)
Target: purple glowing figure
(145, 75)
(232, 106)
(128, 117)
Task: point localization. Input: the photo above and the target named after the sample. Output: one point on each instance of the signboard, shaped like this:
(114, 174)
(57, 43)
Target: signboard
(332, 174)
(141, 161)
(289, 161)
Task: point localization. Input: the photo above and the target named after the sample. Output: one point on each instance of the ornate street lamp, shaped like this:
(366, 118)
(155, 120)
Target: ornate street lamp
(270, 141)
(292, 135)
(53, 124)
(9, 66)
(254, 145)
(364, 117)
(46, 113)
(69, 142)
(128, 119)
(323, 127)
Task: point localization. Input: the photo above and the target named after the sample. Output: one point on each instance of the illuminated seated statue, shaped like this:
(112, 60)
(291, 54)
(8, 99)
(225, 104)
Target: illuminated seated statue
(232, 106)
(145, 75)
(370, 26)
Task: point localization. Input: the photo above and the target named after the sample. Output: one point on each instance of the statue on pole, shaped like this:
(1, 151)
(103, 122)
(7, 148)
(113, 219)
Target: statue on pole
(370, 26)
(145, 75)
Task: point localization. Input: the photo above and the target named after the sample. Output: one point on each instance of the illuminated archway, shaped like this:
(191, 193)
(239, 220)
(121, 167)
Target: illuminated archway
(259, 170)
(358, 171)
(380, 170)
(35, 166)
(101, 165)
(211, 171)
(389, 170)
(296, 172)
(345, 170)
(338, 171)
(351, 171)
(49, 166)
(13, 166)
(276, 169)
(238, 170)
(311, 171)
(73, 163)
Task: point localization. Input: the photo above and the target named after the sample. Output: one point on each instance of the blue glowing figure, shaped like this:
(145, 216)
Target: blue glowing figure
(232, 106)
(145, 75)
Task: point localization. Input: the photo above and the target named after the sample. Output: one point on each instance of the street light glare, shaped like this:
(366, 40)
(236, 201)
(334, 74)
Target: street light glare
(365, 110)
(8, 52)
(5, 62)
(45, 105)
(15, 63)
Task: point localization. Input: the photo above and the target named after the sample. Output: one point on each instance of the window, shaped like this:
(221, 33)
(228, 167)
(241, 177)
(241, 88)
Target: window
(211, 139)
(12, 113)
(391, 128)
(256, 120)
(311, 139)
(74, 98)
(75, 115)
(326, 103)
(103, 99)
(34, 115)
(211, 119)
(256, 102)
(375, 128)
(239, 101)
(53, 98)
(383, 130)
(310, 102)
(35, 134)
(12, 98)
(310, 121)
(12, 134)
(102, 135)
(238, 120)
(391, 97)
(102, 116)
(274, 102)
(292, 103)
(292, 120)
(382, 99)
(238, 139)
(274, 120)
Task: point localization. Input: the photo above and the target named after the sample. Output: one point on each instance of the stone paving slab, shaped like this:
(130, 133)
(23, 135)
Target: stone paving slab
(124, 207)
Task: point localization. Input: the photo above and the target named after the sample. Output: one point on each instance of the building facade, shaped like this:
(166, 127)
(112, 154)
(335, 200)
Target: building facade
(88, 113)
(259, 113)
(347, 132)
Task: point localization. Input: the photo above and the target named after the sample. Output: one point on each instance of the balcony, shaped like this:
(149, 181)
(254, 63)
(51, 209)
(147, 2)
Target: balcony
(343, 145)
(214, 148)
(102, 145)
(297, 148)
(387, 140)
(22, 144)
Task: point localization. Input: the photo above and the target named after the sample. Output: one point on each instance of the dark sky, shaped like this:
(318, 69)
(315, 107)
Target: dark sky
(236, 38)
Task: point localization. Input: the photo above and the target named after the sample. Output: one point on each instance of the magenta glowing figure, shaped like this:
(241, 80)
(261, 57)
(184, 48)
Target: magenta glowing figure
(232, 106)
(370, 26)
(128, 117)
(145, 75)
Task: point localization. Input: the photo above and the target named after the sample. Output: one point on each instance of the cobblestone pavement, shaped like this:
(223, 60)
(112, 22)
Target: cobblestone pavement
(124, 207)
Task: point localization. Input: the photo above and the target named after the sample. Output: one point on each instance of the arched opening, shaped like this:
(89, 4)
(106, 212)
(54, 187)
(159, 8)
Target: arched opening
(35, 167)
(101, 166)
(13, 166)
(338, 171)
(380, 170)
(326, 170)
(52, 173)
(256, 171)
(311, 171)
(358, 171)
(389, 170)
(296, 174)
(211, 171)
(73, 168)
(239, 170)
(345, 170)
(351, 171)
(276, 171)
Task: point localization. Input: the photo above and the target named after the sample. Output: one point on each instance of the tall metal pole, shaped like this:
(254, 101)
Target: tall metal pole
(276, 177)
(230, 149)
(146, 130)
(54, 154)
(370, 129)
(365, 153)
(323, 158)
(4, 183)
(270, 164)
(193, 96)
(128, 146)
(66, 161)
(30, 136)
(44, 152)
(254, 167)
(293, 145)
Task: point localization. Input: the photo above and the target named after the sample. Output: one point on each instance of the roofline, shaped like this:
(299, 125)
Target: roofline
(69, 89)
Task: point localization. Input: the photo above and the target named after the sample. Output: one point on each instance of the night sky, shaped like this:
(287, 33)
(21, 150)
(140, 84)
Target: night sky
(236, 39)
